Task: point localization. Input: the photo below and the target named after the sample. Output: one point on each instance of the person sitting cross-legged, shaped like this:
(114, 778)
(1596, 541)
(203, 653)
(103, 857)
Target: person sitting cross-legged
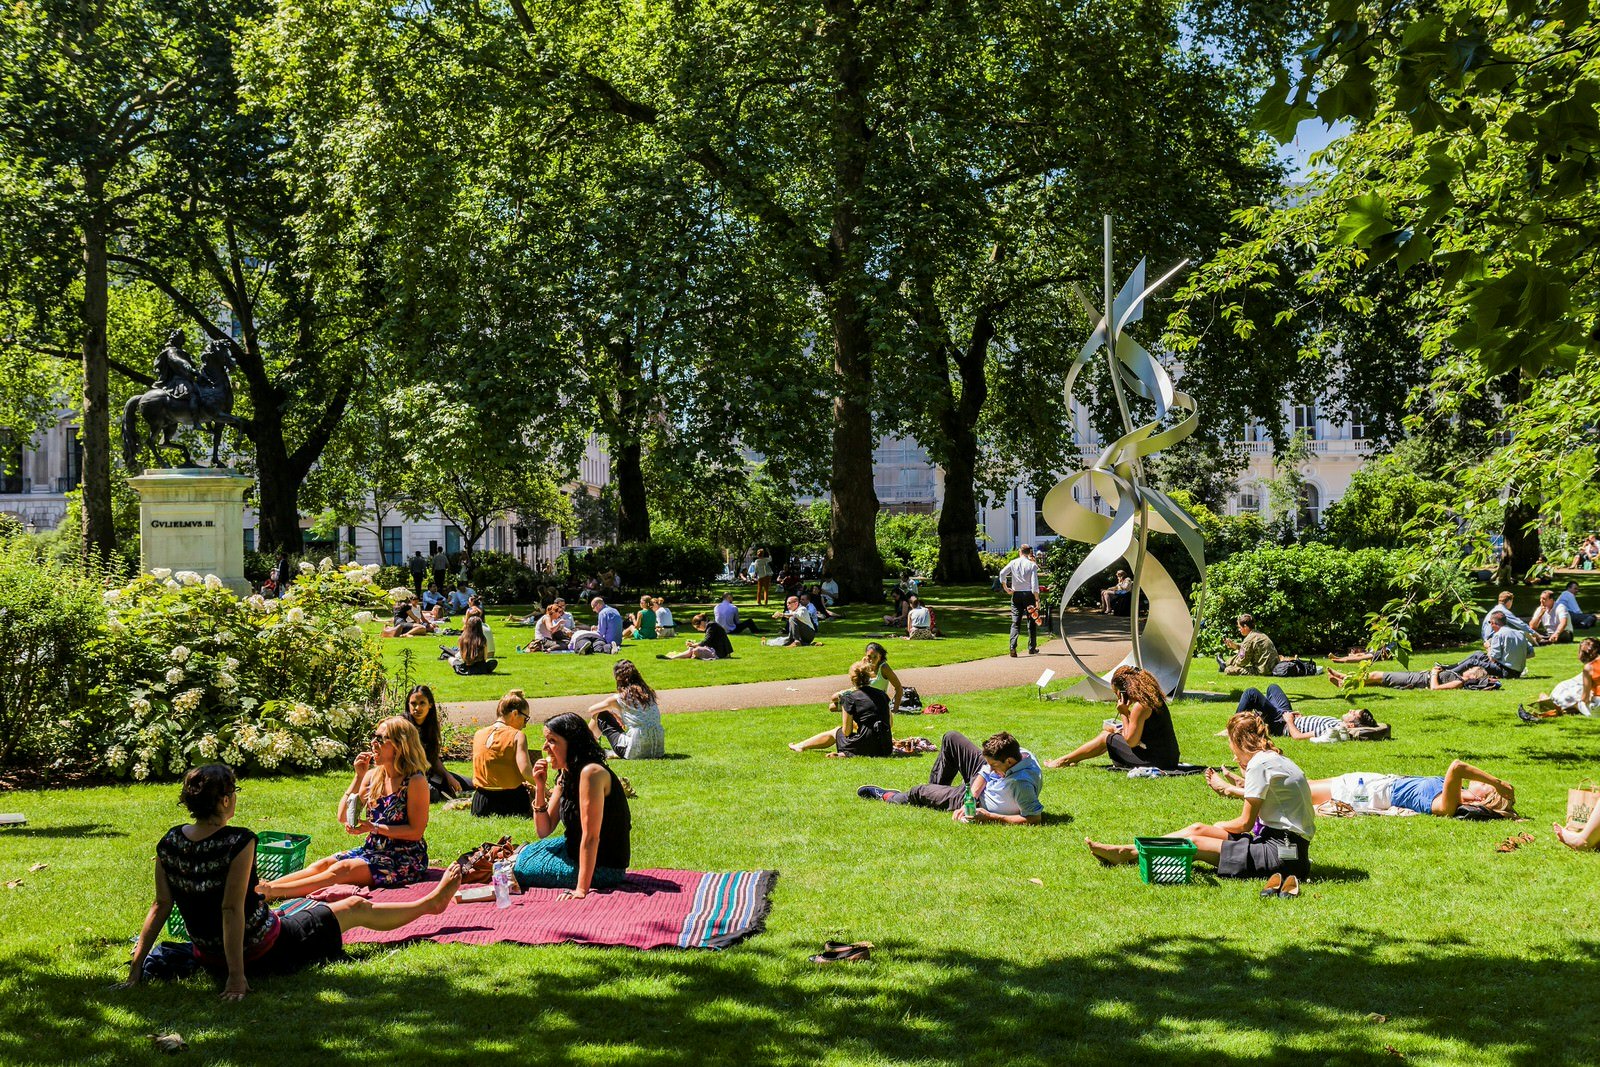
(1002, 776)
(1272, 833)
(1552, 622)
(1144, 738)
(800, 626)
(1254, 653)
(207, 870)
(866, 724)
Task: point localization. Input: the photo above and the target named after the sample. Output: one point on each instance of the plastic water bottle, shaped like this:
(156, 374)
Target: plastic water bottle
(501, 880)
(969, 806)
(1363, 800)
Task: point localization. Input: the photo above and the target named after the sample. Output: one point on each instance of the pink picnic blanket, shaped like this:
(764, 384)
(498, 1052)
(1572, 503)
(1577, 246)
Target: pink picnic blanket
(652, 909)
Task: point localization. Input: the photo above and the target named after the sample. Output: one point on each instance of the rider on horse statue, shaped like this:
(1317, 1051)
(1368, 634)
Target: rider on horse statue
(175, 372)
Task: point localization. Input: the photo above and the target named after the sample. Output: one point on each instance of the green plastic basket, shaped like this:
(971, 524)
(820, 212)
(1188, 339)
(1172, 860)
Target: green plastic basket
(277, 854)
(1165, 860)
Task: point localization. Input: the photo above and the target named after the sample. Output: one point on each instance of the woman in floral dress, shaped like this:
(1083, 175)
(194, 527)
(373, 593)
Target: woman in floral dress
(391, 785)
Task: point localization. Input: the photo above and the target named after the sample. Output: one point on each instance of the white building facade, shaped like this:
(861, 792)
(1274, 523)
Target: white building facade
(34, 492)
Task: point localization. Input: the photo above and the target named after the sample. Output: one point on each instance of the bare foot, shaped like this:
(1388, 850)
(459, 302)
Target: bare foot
(1113, 855)
(1336, 678)
(797, 747)
(1567, 837)
(439, 899)
(1059, 761)
(1218, 784)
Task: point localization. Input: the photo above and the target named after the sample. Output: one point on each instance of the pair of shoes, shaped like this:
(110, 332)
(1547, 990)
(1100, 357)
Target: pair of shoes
(842, 952)
(1281, 886)
(1013, 653)
(873, 792)
(1514, 842)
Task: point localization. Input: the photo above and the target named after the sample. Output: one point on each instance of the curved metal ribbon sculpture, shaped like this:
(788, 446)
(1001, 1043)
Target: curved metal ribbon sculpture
(1165, 644)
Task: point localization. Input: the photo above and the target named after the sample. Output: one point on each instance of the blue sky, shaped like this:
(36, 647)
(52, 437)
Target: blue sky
(1312, 135)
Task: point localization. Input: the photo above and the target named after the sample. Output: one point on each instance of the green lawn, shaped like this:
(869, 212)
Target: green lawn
(973, 619)
(1473, 957)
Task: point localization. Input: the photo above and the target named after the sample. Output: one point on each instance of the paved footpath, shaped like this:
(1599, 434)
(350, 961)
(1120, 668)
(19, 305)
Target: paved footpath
(1101, 640)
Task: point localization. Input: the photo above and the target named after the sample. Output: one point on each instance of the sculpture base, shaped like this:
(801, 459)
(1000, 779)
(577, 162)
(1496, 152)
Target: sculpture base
(192, 519)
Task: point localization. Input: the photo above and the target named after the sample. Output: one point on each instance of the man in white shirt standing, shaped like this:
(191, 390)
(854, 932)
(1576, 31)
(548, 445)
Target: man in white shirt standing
(1020, 580)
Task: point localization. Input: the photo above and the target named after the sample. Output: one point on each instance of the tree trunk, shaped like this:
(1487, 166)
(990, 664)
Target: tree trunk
(853, 515)
(958, 543)
(958, 426)
(633, 510)
(852, 526)
(1521, 534)
(277, 487)
(99, 532)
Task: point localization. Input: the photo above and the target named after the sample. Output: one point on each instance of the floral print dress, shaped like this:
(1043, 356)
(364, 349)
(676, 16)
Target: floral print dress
(393, 862)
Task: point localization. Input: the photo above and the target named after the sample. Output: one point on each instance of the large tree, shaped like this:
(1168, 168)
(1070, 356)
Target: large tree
(89, 90)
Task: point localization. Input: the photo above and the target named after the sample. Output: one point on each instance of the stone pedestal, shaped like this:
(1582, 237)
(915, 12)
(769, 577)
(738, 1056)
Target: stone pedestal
(192, 519)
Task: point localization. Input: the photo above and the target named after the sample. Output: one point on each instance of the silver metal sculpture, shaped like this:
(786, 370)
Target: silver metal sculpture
(1165, 645)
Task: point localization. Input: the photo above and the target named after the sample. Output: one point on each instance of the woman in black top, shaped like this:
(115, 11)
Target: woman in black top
(207, 870)
(443, 783)
(1144, 736)
(592, 808)
(867, 725)
(714, 645)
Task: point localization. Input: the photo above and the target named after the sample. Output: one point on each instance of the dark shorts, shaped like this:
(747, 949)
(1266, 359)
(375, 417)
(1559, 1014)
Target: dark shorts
(1270, 852)
(488, 802)
(864, 743)
(1125, 755)
(306, 938)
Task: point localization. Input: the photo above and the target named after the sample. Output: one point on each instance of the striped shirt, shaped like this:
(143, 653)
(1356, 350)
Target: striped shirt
(1319, 725)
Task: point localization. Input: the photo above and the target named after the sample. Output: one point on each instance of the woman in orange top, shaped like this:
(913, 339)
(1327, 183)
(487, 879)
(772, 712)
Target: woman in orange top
(501, 769)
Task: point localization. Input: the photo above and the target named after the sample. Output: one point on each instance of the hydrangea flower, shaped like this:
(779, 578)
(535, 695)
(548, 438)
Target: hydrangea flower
(179, 654)
(213, 582)
(174, 675)
(295, 616)
(363, 617)
(187, 578)
(111, 596)
(307, 568)
(161, 574)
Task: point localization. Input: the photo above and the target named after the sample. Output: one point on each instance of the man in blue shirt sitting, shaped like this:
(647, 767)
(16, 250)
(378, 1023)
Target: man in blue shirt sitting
(609, 625)
(1003, 777)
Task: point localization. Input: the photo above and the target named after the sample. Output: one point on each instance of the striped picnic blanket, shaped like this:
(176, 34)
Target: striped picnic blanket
(652, 909)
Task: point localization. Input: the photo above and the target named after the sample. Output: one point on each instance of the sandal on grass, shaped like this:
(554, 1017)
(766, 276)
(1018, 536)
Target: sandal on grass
(839, 952)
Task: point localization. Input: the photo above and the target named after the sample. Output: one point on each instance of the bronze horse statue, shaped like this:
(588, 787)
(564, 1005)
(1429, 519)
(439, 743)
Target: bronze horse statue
(165, 413)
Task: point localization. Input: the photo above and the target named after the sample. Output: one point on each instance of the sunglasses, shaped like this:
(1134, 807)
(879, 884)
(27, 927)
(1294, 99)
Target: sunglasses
(378, 739)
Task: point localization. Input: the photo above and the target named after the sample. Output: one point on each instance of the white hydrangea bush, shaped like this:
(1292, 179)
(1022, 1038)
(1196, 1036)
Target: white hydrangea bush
(286, 684)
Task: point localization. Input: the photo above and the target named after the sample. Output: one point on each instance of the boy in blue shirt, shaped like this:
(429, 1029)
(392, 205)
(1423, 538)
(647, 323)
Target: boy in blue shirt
(1003, 776)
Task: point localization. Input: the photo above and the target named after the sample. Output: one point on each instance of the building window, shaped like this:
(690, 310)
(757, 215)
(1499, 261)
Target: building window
(393, 554)
(1310, 507)
(452, 540)
(1305, 420)
(1249, 502)
(1041, 528)
(1358, 431)
(11, 480)
(250, 539)
(73, 475)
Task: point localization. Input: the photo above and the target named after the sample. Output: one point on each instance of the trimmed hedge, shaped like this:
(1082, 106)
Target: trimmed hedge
(1312, 599)
(641, 564)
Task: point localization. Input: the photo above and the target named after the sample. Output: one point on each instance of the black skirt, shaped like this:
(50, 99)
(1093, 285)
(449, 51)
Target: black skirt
(518, 801)
(1272, 851)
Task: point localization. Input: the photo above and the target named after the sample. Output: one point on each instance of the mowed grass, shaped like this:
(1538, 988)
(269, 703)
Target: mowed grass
(973, 620)
(1415, 935)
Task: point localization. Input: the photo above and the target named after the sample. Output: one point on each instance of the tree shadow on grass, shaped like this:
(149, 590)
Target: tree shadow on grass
(93, 829)
(1188, 1000)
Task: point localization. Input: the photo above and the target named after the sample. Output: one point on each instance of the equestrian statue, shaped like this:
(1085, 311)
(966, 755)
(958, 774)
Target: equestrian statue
(181, 396)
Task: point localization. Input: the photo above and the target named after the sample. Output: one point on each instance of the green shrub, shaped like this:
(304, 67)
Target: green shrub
(908, 540)
(1313, 598)
(53, 696)
(992, 562)
(258, 684)
(644, 564)
(1374, 511)
(502, 579)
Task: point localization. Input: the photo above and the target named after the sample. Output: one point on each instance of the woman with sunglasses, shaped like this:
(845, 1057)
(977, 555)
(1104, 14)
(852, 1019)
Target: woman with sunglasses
(207, 870)
(501, 767)
(589, 802)
(391, 784)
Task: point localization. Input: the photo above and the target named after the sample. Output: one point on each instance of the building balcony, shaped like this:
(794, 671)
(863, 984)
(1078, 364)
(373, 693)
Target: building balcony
(904, 494)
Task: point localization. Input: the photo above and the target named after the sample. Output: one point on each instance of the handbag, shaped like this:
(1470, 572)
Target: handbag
(910, 698)
(477, 865)
(1581, 803)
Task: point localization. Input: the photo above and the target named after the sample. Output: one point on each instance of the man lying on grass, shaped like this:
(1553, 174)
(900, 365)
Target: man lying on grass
(1462, 788)
(1003, 778)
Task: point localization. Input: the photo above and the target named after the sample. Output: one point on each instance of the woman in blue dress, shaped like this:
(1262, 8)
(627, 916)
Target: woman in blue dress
(391, 786)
